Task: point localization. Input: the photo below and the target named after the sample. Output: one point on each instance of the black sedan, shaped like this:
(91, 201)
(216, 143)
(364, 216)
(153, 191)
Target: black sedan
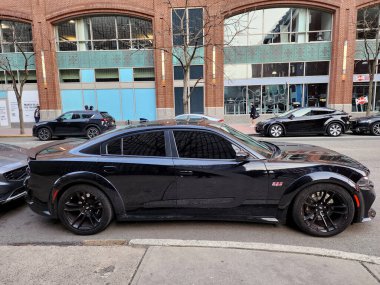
(365, 125)
(75, 123)
(13, 164)
(186, 171)
(306, 121)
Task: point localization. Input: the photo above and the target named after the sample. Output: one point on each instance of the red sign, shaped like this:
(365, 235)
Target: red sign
(362, 100)
(361, 77)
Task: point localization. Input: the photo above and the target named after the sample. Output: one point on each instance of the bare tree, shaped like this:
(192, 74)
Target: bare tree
(368, 28)
(193, 34)
(18, 82)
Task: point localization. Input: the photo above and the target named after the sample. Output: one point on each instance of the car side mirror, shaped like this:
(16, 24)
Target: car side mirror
(241, 156)
(59, 119)
(291, 116)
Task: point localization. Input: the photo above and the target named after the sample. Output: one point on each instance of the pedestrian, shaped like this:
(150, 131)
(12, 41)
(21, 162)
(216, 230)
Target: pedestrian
(86, 107)
(91, 108)
(37, 114)
(253, 114)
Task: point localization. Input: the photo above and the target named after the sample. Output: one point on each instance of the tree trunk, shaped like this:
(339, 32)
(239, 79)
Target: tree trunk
(185, 96)
(20, 115)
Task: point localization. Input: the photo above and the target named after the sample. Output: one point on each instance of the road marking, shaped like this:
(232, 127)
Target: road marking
(259, 246)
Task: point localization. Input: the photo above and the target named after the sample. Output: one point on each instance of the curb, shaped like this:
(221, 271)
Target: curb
(260, 247)
(16, 136)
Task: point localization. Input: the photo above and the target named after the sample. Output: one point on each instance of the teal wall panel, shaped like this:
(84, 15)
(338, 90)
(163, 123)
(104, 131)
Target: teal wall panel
(71, 100)
(87, 75)
(145, 104)
(128, 104)
(360, 49)
(126, 74)
(198, 58)
(105, 59)
(277, 53)
(89, 98)
(109, 101)
(3, 94)
(17, 60)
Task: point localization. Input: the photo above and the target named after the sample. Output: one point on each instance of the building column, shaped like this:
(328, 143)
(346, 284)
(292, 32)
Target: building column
(46, 65)
(342, 57)
(163, 62)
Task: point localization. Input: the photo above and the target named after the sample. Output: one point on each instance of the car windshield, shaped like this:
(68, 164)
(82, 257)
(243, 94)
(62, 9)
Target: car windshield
(296, 112)
(253, 144)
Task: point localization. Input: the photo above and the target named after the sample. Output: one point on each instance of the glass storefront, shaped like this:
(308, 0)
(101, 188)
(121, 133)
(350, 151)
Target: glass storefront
(274, 99)
(360, 94)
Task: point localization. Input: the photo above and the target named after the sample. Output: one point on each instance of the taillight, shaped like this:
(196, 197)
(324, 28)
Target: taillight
(221, 121)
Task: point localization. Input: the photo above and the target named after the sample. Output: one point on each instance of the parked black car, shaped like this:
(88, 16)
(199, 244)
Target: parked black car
(364, 125)
(75, 123)
(173, 170)
(306, 121)
(13, 164)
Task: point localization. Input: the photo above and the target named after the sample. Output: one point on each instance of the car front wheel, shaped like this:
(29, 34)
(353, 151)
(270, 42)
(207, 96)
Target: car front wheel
(334, 130)
(323, 210)
(375, 129)
(44, 134)
(84, 210)
(276, 131)
(92, 132)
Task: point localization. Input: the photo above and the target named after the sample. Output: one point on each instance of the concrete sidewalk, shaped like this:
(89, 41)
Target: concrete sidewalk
(180, 262)
(15, 132)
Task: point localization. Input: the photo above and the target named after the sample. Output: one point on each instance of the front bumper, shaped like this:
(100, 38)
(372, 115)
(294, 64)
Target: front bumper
(366, 197)
(10, 191)
(359, 127)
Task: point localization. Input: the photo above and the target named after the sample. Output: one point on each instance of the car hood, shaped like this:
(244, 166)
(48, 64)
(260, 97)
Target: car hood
(270, 120)
(316, 154)
(12, 157)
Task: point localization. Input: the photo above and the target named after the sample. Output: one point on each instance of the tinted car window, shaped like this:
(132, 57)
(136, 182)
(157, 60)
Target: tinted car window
(114, 147)
(67, 116)
(147, 144)
(87, 116)
(321, 112)
(75, 116)
(197, 144)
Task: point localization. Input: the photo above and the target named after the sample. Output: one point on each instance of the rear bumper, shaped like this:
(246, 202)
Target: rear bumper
(359, 127)
(35, 204)
(366, 213)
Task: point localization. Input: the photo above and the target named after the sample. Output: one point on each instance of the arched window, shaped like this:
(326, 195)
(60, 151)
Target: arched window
(107, 32)
(15, 37)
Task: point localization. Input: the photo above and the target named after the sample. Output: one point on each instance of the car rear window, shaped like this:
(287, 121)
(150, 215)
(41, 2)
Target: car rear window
(105, 115)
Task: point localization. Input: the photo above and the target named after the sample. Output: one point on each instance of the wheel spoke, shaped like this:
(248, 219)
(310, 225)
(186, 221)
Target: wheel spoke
(324, 221)
(77, 209)
(332, 223)
(308, 217)
(76, 219)
(81, 221)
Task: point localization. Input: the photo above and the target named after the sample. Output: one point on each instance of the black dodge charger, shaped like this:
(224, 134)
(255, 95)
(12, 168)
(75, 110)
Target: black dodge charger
(363, 125)
(196, 171)
(306, 121)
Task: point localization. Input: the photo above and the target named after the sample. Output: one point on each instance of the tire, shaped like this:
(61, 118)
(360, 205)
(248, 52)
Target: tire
(276, 130)
(44, 134)
(323, 210)
(334, 129)
(84, 210)
(92, 132)
(375, 129)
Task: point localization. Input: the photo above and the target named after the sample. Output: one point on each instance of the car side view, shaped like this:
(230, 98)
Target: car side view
(306, 121)
(174, 170)
(365, 125)
(75, 123)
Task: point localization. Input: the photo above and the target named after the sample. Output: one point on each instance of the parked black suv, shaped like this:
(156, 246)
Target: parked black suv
(75, 123)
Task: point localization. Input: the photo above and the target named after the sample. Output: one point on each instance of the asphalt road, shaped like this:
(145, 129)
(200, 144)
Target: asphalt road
(18, 224)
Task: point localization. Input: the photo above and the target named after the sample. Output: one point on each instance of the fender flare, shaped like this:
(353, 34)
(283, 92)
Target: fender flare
(312, 179)
(90, 178)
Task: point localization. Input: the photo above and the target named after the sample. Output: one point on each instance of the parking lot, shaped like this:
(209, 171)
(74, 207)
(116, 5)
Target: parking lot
(20, 225)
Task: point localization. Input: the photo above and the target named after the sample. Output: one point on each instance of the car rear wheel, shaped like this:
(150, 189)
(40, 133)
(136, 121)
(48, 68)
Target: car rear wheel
(84, 210)
(92, 132)
(44, 134)
(334, 129)
(276, 131)
(323, 210)
(375, 129)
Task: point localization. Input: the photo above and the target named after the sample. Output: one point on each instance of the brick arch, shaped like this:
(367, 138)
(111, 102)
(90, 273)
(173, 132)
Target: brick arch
(82, 10)
(366, 3)
(15, 16)
(247, 5)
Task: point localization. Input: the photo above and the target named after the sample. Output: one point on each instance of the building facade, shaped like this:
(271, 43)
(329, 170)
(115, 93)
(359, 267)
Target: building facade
(119, 56)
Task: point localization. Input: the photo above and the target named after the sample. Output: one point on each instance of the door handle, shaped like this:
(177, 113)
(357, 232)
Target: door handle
(109, 169)
(185, 172)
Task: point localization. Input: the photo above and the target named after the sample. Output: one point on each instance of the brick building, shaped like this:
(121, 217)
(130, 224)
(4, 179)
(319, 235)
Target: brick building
(110, 55)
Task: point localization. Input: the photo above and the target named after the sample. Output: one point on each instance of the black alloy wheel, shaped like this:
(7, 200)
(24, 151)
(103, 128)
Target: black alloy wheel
(276, 130)
(323, 210)
(334, 129)
(44, 134)
(84, 210)
(375, 129)
(92, 132)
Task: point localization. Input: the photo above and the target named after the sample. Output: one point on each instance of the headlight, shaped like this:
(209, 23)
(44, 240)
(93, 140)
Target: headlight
(364, 184)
